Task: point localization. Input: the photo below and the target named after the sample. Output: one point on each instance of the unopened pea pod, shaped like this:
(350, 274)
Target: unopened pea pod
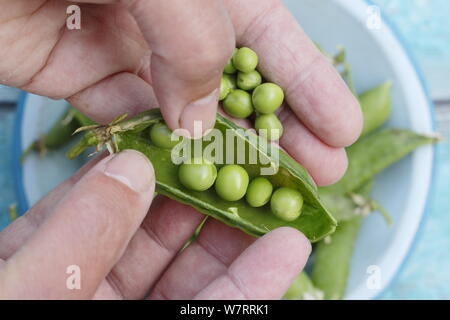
(374, 153)
(376, 107)
(333, 255)
(315, 221)
(342, 206)
(303, 289)
(332, 259)
(82, 119)
(59, 135)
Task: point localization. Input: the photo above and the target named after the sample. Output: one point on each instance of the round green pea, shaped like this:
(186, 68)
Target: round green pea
(230, 80)
(267, 98)
(224, 89)
(249, 81)
(245, 59)
(259, 192)
(232, 182)
(198, 175)
(161, 136)
(269, 126)
(286, 204)
(238, 104)
(229, 67)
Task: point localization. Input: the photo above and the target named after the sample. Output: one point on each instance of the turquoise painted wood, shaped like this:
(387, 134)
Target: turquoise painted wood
(426, 27)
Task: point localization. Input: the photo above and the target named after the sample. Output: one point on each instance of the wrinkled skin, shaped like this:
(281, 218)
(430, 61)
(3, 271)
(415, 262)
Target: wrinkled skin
(132, 55)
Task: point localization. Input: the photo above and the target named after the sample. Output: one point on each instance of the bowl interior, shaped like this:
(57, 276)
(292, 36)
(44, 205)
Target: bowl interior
(375, 56)
(42, 174)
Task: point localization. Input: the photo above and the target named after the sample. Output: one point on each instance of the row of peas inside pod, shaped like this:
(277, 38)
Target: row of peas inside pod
(231, 182)
(243, 93)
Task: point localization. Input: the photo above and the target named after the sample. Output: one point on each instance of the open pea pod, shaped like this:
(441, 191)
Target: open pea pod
(315, 221)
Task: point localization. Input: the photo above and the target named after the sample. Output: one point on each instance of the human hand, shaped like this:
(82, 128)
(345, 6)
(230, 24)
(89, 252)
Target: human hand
(133, 54)
(97, 220)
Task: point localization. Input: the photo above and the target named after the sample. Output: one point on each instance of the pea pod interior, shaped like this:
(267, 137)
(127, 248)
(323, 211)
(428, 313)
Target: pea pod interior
(315, 221)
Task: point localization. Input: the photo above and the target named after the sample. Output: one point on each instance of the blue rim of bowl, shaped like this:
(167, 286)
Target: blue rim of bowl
(23, 201)
(409, 53)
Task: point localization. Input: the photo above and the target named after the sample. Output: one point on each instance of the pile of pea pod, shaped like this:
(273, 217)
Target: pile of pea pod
(330, 216)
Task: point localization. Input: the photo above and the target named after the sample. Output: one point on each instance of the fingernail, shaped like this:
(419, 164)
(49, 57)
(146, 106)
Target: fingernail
(202, 111)
(132, 169)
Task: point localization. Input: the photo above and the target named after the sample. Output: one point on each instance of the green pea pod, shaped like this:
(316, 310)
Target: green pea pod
(332, 259)
(376, 107)
(333, 255)
(82, 119)
(345, 207)
(303, 289)
(59, 135)
(315, 221)
(374, 153)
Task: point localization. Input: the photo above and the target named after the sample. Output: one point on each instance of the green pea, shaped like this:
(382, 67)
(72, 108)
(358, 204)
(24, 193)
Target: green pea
(232, 182)
(238, 104)
(229, 67)
(259, 192)
(245, 60)
(286, 204)
(230, 80)
(224, 89)
(267, 98)
(161, 135)
(198, 175)
(269, 126)
(249, 81)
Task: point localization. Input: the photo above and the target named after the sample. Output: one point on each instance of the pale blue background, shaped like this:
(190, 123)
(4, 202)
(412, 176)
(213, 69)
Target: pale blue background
(426, 28)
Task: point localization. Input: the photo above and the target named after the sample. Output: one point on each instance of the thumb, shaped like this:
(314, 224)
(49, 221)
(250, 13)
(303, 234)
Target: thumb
(89, 228)
(191, 41)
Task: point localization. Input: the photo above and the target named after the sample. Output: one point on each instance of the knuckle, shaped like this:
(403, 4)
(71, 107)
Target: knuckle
(215, 55)
(202, 57)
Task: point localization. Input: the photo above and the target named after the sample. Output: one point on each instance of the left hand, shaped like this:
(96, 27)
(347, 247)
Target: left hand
(99, 220)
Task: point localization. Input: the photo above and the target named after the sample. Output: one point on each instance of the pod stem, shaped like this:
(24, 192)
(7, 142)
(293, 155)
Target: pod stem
(365, 206)
(104, 135)
(77, 149)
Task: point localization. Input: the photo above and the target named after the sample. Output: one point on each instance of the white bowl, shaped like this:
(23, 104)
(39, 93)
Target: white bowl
(375, 56)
